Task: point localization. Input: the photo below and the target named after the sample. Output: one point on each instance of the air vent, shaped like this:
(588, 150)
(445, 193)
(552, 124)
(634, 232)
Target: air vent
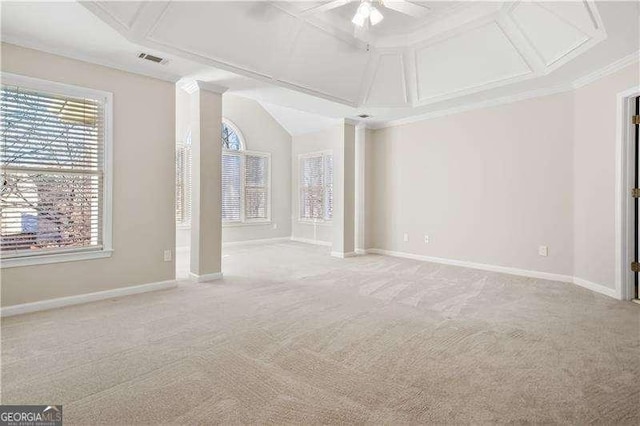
(152, 58)
(364, 116)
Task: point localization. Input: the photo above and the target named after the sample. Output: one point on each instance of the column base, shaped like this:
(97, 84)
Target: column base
(206, 277)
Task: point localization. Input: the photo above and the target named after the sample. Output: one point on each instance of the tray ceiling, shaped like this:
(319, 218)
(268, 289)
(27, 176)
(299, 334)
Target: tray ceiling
(451, 50)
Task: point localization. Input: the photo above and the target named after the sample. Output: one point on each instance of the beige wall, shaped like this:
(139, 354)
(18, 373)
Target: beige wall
(488, 186)
(491, 185)
(595, 120)
(329, 139)
(143, 182)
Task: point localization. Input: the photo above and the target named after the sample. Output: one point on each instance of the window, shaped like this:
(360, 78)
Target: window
(316, 186)
(246, 177)
(55, 200)
(183, 182)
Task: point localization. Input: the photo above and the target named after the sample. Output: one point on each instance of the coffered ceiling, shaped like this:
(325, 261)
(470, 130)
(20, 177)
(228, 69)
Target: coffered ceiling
(446, 50)
(306, 54)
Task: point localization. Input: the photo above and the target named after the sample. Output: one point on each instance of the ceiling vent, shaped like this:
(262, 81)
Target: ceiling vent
(152, 58)
(364, 116)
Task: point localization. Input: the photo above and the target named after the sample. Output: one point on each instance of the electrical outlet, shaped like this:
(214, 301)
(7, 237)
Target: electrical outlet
(405, 237)
(167, 255)
(426, 239)
(543, 251)
(275, 226)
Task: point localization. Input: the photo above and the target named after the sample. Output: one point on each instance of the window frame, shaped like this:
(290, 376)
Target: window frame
(243, 220)
(301, 157)
(80, 253)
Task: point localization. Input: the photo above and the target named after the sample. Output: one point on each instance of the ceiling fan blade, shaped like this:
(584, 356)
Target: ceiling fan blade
(407, 8)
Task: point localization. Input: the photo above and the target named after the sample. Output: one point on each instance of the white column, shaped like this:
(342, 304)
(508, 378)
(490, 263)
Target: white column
(206, 181)
(344, 192)
(360, 191)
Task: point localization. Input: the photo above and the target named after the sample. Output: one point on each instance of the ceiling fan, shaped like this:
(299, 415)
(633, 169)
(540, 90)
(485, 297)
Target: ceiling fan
(368, 14)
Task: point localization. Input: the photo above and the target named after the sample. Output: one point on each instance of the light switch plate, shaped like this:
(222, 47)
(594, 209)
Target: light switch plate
(167, 255)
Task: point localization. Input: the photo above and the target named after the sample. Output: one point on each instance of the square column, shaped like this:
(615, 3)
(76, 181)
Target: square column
(206, 181)
(344, 192)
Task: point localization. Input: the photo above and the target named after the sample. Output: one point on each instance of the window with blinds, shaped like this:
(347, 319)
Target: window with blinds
(231, 188)
(246, 179)
(183, 184)
(53, 171)
(316, 186)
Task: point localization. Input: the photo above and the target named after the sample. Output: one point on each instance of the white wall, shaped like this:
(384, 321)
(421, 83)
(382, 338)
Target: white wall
(491, 185)
(595, 121)
(323, 140)
(261, 133)
(143, 182)
(488, 186)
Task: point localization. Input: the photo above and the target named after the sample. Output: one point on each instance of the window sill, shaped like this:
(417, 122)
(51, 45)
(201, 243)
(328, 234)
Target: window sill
(314, 222)
(183, 226)
(235, 224)
(54, 258)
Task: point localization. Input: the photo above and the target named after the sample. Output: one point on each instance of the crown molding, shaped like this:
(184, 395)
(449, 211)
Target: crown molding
(608, 70)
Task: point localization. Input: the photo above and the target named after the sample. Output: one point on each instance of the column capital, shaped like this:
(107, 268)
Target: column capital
(191, 86)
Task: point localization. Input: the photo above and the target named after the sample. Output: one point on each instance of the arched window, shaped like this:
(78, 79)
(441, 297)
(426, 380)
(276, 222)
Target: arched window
(231, 137)
(246, 178)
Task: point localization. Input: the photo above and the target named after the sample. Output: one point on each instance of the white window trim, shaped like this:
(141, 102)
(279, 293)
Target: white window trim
(302, 220)
(243, 220)
(107, 196)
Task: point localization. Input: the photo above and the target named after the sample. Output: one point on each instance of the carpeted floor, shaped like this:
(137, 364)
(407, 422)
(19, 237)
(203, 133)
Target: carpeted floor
(292, 335)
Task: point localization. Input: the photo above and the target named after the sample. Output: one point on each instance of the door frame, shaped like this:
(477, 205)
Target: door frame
(625, 151)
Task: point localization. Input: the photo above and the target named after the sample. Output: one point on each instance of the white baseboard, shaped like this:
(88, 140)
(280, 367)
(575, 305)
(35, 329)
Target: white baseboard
(262, 241)
(598, 288)
(206, 277)
(607, 291)
(342, 255)
(310, 241)
(60, 302)
(361, 251)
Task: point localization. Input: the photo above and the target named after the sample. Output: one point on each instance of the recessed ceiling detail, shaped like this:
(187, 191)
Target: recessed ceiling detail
(448, 50)
(464, 62)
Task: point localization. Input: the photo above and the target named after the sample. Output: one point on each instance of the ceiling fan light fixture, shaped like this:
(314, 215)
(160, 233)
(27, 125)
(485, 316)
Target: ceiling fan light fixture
(359, 19)
(366, 14)
(375, 16)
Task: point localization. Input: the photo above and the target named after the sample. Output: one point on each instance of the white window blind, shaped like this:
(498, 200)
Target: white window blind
(183, 184)
(53, 172)
(231, 187)
(316, 186)
(256, 189)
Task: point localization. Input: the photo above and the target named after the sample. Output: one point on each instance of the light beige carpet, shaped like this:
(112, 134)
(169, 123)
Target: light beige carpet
(294, 336)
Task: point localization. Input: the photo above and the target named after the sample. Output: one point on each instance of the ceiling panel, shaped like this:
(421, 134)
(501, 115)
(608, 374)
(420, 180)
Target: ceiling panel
(125, 12)
(473, 59)
(551, 36)
(324, 63)
(243, 34)
(575, 12)
(388, 86)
